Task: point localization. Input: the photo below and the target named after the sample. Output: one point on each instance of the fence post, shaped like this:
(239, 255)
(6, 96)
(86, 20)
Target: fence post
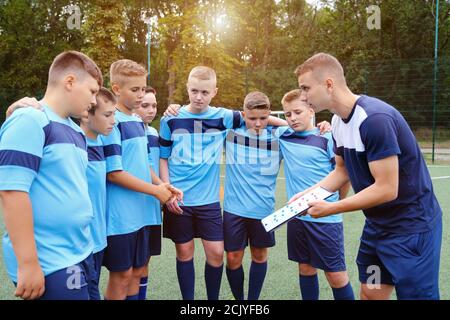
(436, 57)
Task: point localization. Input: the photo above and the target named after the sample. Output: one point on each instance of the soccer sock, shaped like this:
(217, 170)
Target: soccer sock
(213, 278)
(236, 281)
(344, 293)
(309, 287)
(256, 279)
(186, 278)
(135, 297)
(143, 288)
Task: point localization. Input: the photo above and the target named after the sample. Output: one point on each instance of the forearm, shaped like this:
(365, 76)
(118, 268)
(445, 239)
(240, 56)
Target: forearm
(155, 179)
(164, 170)
(18, 217)
(372, 196)
(277, 122)
(343, 191)
(128, 181)
(335, 180)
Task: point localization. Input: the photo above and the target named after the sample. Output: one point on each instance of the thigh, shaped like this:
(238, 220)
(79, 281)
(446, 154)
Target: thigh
(208, 222)
(235, 232)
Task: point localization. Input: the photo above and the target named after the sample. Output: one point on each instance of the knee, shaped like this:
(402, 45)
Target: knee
(122, 278)
(337, 279)
(307, 270)
(234, 260)
(185, 253)
(215, 257)
(259, 255)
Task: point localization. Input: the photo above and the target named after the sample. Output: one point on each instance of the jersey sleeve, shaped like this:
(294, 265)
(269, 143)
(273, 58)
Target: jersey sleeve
(232, 119)
(113, 150)
(165, 139)
(22, 141)
(330, 149)
(379, 136)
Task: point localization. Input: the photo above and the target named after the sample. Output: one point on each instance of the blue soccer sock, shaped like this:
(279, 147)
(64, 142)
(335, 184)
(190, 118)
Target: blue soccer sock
(344, 293)
(309, 287)
(135, 297)
(186, 278)
(143, 288)
(213, 278)
(236, 281)
(256, 279)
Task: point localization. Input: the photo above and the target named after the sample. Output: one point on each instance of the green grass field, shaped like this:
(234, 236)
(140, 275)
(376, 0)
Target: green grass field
(282, 279)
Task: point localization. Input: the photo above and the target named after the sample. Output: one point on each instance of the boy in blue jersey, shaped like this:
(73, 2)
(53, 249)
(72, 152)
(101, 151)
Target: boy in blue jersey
(147, 112)
(377, 151)
(99, 120)
(252, 165)
(44, 192)
(129, 184)
(312, 243)
(191, 150)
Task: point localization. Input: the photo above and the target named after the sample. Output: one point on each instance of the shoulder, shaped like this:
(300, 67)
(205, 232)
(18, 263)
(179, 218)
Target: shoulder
(152, 131)
(29, 115)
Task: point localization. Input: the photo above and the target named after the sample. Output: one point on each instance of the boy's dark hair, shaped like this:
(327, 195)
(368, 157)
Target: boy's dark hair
(150, 90)
(256, 100)
(104, 95)
(76, 62)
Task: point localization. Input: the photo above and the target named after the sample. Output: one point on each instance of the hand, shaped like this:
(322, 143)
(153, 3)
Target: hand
(163, 193)
(177, 193)
(30, 282)
(320, 209)
(23, 103)
(324, 127)
(173, 206)
(298, 195)
(172, 110)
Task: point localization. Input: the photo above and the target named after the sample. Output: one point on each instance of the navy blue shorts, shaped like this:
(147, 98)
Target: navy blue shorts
(203, 222)
(125, 251)
(154, 240)
(410, 262)
(320, 245)
(95, 269)
(239, 231)
(70, 283)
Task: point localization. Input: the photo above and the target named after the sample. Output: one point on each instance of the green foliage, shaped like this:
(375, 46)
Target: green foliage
(252, 44)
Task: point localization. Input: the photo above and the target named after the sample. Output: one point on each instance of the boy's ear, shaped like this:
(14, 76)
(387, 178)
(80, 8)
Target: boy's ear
(69, 81)
(215, 91)
(115, 88)
(329, 84)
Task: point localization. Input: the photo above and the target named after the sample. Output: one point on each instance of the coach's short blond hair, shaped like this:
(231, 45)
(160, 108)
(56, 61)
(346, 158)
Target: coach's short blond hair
(125, 68)
(203, 73)
(73, 62)
(324, 63)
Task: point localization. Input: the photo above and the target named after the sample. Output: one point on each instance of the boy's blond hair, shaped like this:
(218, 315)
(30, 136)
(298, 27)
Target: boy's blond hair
(291, 96)
(125, 68)
(73, 62)
(256, 100)
(203, 73)
(322, 64)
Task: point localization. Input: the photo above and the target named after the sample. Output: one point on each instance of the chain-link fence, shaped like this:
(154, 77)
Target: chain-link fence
(408, 85)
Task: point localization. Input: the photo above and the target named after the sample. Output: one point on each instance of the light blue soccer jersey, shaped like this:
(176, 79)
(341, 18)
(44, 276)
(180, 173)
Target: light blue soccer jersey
(153, 148)
(96, 175)
(193, 145)
(153, 158)
(252, 165)
(126, 149)
(45, 156)
(308, 158)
